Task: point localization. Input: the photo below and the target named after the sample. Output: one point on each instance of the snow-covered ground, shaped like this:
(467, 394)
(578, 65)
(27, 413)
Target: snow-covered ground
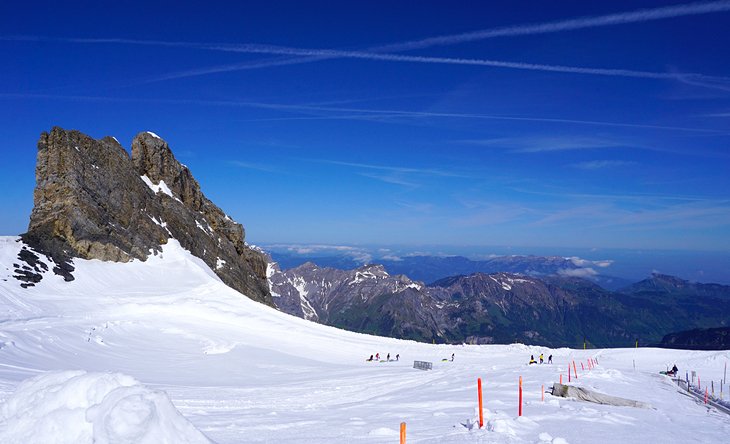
(243, 372)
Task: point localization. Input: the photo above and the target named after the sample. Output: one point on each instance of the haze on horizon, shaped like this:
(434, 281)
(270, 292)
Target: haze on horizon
(580, 124)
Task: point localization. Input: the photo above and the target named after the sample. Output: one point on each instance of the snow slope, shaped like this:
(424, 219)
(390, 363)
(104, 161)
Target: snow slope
(243, 372)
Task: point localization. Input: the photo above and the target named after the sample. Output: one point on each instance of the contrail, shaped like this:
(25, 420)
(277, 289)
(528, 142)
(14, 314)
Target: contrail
(638, 16)
(337, 111)
(694, 78)
(641, 15)
(378, 53)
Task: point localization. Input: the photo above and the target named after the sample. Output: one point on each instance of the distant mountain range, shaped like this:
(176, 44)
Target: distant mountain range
(426, 268)
(554, 310)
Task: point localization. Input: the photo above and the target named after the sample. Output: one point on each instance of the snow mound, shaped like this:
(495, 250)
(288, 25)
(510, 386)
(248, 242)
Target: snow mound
(101, 408)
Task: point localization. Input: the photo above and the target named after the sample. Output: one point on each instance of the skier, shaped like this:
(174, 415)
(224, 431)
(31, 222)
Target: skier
(377, 356)
(452, 357)
(371, 358)
(541, 360)
(550, 359)
(532, 360)
(397, 356)
(388, 358)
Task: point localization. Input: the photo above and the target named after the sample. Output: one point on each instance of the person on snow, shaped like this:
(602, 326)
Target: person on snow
(388, 358)
(397, 356)
(550, 359)
(532, 360)
(377, 356)
(452, 357)
(371, 358)
(541, 358)
(673, 371)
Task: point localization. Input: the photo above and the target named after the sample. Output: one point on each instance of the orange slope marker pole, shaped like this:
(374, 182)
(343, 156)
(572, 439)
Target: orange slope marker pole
(575, 370)
(542, 392)
(481, 410)
(403, 433)
(561, 379)
(519, 412)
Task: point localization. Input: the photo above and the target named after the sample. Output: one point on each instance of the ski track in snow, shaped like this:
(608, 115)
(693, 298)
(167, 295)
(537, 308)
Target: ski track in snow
(243, 372)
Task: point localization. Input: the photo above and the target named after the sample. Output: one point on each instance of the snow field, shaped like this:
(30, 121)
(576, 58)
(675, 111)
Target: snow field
(243, 372)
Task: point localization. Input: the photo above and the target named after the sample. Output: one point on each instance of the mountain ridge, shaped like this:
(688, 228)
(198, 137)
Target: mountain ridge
(488, 308)
(94, 201)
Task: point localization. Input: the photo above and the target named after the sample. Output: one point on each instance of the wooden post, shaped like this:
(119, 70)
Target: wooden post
(403, 433)
(481, 410)
(519, 413)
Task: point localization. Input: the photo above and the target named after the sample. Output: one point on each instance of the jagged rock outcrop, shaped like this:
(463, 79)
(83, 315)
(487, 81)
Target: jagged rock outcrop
(93, 201)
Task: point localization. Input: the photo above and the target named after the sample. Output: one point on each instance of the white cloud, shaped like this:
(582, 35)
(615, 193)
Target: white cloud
(579, 262)
(599, 164)
(578, 272)
(543, 144)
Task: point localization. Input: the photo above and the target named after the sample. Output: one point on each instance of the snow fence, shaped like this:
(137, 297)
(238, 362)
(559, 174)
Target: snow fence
(583, 394)
(84, 408)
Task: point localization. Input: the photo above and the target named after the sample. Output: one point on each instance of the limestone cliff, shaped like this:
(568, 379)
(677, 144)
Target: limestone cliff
(93, 201)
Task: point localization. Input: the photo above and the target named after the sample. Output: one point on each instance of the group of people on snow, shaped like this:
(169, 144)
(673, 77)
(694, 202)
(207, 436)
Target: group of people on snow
(377, 357)
(542, 359)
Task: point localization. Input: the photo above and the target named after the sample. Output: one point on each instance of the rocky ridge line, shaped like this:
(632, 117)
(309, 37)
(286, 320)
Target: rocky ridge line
(93, 201)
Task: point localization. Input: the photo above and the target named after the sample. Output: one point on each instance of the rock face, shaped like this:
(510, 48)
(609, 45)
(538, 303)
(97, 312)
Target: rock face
(366, 299)
(699, 339)
(95, 202)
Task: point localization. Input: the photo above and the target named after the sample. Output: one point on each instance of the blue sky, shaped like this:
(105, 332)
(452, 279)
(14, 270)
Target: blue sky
(566, 124)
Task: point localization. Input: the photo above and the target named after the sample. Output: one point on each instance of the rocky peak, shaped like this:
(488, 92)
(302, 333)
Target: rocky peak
(376, 269)
(153, 158)
(95, 202)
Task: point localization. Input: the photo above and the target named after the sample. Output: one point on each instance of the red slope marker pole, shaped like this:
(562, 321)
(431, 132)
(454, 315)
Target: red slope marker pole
(705, 395)
(481, 411)
(519, 413)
